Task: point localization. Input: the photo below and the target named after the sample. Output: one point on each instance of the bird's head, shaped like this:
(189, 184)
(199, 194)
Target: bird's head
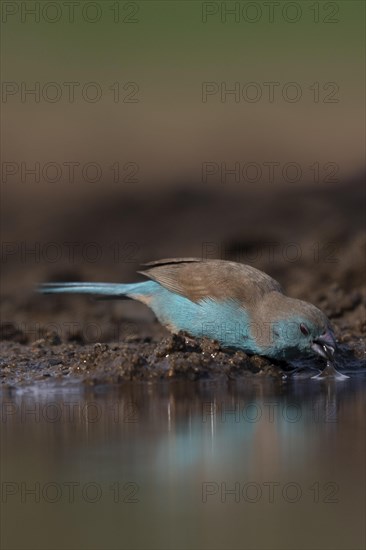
(296, 328)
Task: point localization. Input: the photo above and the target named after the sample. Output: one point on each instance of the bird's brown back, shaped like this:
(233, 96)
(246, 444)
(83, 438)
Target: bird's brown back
(217, 279)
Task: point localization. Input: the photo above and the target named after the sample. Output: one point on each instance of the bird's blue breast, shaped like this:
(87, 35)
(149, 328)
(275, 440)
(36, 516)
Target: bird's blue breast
(224, 321)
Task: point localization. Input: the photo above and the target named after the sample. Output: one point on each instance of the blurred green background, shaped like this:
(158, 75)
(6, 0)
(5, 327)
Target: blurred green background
(168, 51)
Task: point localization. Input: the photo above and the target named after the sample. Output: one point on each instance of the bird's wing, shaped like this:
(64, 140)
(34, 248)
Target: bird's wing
(217, 279)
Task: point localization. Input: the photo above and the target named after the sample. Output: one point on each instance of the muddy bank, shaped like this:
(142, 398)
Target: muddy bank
(170, 357)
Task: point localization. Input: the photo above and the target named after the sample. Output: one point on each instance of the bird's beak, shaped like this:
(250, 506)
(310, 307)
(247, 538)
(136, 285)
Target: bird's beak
(325, 345)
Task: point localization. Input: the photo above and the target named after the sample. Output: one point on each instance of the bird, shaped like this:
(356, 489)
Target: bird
(232, 303)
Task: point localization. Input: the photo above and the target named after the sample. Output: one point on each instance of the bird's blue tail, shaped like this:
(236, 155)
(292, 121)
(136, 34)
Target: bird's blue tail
(116, 290)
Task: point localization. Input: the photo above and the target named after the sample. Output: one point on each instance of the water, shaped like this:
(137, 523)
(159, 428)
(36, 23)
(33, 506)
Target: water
(256, 464)
(330, 373)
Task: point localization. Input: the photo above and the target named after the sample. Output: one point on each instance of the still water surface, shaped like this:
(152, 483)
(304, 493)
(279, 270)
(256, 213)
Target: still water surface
(255, 464)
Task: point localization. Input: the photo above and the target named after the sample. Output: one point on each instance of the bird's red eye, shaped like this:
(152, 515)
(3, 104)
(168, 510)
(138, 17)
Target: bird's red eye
(304, 329)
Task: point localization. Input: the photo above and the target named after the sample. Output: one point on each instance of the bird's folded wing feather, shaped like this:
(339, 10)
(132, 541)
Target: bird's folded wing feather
(216, 279)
